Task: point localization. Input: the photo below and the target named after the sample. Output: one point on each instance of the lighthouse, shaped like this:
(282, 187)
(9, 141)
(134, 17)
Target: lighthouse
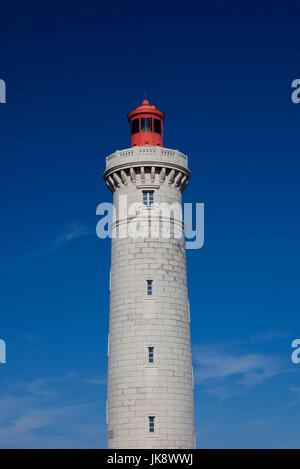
(150, 376)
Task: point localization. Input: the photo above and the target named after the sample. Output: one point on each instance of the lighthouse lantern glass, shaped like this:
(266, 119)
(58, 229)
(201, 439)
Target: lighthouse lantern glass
(157, 126)
(146, 124)
(135, 128)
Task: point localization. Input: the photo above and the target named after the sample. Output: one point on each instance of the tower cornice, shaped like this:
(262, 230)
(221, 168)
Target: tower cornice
(123, 165)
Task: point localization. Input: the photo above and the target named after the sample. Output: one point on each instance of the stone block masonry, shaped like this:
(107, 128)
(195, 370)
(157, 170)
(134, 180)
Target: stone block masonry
(149, 400)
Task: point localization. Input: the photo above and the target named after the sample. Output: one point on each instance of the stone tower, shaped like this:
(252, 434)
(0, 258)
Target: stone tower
(150, 376)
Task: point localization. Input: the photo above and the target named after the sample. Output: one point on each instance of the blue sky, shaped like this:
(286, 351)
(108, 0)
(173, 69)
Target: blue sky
(222, 73)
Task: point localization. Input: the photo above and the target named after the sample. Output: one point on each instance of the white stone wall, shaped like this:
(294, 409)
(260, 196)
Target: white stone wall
(137, 389)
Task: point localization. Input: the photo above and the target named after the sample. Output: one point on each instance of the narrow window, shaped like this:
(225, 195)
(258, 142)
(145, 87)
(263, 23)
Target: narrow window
(148, 197)
(149, 287)
(151, 424)
(151, 354)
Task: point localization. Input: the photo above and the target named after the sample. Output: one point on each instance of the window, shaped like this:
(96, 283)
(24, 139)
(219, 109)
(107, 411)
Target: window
(149, 287)
(148, 197)
(146, 124)
(157, 126)
(151, 424)
(150, 354)
(135, 127)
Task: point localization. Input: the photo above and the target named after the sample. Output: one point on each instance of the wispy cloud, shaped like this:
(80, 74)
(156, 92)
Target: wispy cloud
(50, 242)
(296, 390)
(268, 336)
(21, 428)
(66, 235)
(72, 232)
(39, 387)
(224, 374)
(47, 387)
(99, 381)
(290, 403)
(40, 419)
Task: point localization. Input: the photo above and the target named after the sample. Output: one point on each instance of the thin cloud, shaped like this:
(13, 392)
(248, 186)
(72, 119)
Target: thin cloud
(49, 244)
(268, 336)
(72, 232)
(26, 419)
(38, 419)
(295, 389)
(224, 374)
(290, 404)
(39, 387)
(97, 381)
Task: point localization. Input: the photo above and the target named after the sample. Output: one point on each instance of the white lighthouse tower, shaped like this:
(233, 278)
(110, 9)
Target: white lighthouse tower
(150, 376)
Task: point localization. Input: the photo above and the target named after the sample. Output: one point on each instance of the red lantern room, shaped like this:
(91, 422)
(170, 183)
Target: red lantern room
(146, 125)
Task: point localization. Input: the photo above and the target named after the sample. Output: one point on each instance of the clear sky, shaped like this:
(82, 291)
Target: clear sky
(222, 73)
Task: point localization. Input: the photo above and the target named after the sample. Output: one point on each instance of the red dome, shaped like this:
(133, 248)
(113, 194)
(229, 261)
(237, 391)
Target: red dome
(146, 125)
